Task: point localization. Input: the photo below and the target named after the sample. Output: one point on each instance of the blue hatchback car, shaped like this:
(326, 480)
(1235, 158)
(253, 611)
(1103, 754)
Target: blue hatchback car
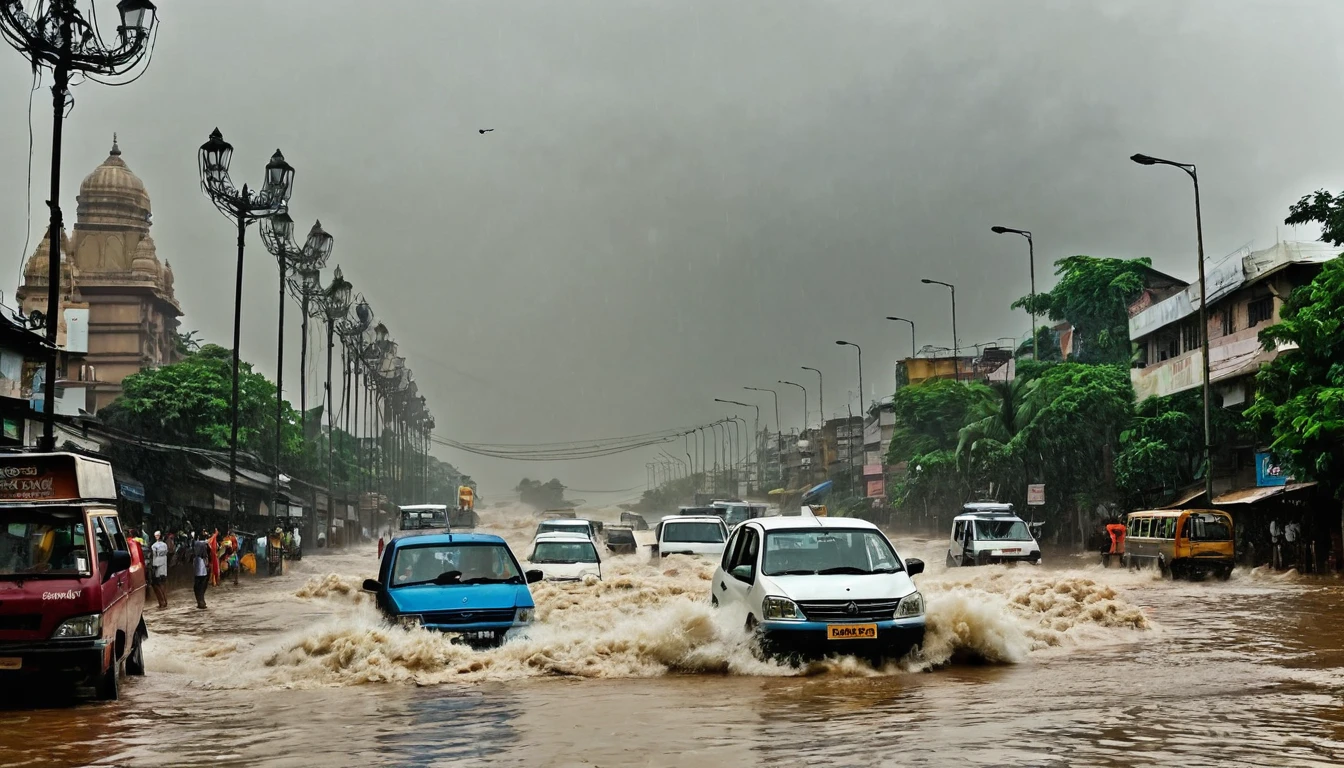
(469, 584)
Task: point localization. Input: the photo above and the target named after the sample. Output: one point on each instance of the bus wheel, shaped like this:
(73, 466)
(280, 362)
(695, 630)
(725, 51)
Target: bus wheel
(106, 688)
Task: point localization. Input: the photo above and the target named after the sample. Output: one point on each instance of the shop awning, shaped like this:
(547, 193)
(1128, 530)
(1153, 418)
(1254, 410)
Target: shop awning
(1253, 495)
(1186, 497)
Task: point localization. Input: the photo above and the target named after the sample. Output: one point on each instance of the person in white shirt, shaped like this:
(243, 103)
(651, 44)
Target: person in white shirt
(298, 543)
(158, 563)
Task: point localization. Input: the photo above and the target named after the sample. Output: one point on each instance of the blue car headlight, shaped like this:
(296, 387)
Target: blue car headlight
(410, 620)
(525, 615)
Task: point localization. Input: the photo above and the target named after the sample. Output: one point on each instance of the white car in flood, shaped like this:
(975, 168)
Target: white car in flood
(690, 535)
(564, 557)
(814, 586)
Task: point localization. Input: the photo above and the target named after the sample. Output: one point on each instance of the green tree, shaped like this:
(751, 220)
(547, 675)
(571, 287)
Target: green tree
(188, 403)
(1299, 402)
(985, 449)
(547, 495)
(1162, 450)
(1094, 296)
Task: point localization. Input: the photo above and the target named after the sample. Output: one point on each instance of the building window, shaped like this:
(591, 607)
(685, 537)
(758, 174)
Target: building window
(1260, 310)
(1190, 336)
(1228, 325)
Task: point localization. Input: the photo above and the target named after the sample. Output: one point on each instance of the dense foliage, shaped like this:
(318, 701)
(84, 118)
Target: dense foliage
(1094, 296)
(547, 495)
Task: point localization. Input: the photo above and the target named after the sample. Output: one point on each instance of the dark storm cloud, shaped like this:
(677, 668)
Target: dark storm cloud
(681, 198)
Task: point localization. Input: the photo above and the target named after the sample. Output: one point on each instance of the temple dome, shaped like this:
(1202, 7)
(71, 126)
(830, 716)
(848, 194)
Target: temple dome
(40, 262)
(112, 194)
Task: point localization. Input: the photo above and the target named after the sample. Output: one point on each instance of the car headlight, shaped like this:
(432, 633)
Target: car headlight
(525, 615)
(410, 620)
(910, 605)
(781, 609)
(80, 626)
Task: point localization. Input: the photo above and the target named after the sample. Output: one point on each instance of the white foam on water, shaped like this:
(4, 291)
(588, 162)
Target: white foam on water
(645, 619)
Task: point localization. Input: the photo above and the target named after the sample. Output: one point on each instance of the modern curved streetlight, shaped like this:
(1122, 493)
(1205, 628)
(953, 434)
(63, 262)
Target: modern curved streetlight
(242, 206)
(63, 40)
(1193, 173)
(821, 393)
(1031, 263)
(862, 416)
(800, 386)
(956, 345)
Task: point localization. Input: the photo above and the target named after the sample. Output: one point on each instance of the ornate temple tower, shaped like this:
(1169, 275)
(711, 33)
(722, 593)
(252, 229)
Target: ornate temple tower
(116, 274)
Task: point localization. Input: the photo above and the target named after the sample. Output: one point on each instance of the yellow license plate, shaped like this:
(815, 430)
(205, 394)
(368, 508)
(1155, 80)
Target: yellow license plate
(11, 662)
(851, 631)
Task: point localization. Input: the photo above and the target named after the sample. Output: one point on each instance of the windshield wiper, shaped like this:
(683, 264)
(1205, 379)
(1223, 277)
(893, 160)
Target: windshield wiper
(854, 569)
(796, 572)
(490, 580)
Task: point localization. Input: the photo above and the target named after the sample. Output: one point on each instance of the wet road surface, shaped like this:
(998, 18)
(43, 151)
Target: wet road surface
(1068, 664)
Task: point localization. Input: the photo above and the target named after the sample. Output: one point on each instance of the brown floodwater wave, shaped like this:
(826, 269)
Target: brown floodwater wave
(1066, 664)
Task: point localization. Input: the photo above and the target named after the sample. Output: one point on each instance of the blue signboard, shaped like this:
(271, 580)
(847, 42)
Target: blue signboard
(1268, 472)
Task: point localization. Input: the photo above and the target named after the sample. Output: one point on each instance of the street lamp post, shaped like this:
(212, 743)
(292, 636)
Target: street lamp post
(335, 306)
(862, 411)
(1193, 173)
(779, 460)
(913, 348)
(51, 41)
(956, 347)
(821, 394)
(277, 233)
(757, 431)
(243, 206)
(1031, 263)
(800, 386)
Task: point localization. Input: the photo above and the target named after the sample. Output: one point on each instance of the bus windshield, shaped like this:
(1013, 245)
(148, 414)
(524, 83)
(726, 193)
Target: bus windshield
(1209, 528)
(424, 519)
(43, 542)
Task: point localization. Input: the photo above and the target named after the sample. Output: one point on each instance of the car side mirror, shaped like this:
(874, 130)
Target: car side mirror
(118, 561)
(914, 566)
(534, 576)
(372, 585)
(743, 573)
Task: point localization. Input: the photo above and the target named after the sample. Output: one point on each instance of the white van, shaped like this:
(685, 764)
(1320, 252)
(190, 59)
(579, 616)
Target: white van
(986, 533)
(690, 535)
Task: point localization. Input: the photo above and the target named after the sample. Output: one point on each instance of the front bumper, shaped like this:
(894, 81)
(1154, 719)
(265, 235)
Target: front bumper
(485, 635)
(895, 638)
(70, 661)
(985, 558)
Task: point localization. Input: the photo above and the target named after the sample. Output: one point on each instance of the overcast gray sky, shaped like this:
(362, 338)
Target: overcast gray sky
(682, 198)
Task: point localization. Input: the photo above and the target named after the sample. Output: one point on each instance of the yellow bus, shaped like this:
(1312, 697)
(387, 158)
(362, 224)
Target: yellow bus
(1182, 543)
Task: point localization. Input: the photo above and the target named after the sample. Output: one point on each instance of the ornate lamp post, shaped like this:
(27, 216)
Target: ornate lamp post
(277, 232)
(242, 206)
(306, 286)
(336, 307)
(64, 41)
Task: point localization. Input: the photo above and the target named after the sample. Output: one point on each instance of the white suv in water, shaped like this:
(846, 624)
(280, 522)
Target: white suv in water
(690, 535)
(986, 533)
(814, 586)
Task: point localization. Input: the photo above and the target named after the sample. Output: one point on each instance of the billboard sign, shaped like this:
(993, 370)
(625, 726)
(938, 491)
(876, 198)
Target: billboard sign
(1036, 494)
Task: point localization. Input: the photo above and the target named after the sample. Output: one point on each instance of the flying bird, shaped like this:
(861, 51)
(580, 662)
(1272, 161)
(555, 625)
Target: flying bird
(486, 130)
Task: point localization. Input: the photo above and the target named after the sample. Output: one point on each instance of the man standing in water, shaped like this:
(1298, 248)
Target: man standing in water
(158, 563)
(200, 563)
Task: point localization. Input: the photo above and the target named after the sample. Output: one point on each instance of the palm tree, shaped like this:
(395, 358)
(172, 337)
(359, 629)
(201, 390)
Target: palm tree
(990, 448)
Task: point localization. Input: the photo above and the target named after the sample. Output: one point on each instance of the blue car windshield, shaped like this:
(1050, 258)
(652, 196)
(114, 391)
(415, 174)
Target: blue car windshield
(453, 564)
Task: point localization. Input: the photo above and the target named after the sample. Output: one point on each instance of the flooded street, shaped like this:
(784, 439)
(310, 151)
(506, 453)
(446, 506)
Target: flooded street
(1068, 664)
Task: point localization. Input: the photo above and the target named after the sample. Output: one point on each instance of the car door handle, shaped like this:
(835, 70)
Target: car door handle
(723, 585)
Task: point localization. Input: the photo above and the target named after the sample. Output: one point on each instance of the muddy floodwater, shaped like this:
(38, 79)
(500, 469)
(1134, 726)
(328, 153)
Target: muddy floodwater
(1067, 664)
